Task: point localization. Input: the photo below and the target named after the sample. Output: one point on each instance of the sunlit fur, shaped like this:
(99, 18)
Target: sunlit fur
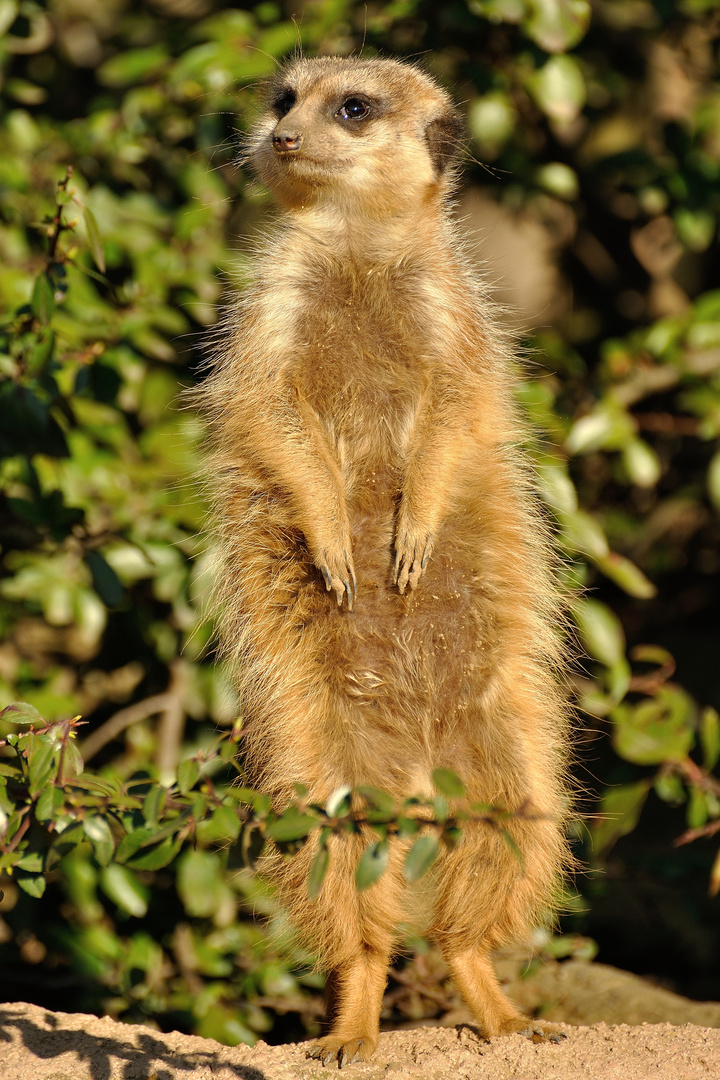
(361, 413)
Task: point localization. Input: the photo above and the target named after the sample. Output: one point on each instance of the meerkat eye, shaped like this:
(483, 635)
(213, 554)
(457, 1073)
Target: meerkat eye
(353, 109)
(284, 102)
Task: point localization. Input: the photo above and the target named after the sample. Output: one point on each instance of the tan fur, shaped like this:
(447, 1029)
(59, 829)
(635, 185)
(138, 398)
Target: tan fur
(363, 430)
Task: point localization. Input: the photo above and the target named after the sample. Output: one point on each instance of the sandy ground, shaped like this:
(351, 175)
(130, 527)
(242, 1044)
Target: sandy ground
(39, 1045)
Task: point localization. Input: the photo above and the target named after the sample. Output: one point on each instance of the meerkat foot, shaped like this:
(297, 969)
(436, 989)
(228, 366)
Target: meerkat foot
(537, 1031)
(412, 552)
(344, 1051)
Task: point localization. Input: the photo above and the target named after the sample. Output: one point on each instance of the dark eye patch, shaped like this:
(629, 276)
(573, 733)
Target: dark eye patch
(284, 101)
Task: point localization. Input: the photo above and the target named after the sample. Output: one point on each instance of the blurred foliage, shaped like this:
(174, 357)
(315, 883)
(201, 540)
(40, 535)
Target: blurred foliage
(599, 127)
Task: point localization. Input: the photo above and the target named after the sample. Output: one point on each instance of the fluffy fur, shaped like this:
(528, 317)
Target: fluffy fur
(385, 594)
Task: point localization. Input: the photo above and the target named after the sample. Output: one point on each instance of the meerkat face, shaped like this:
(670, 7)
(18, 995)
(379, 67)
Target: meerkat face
(370, 136)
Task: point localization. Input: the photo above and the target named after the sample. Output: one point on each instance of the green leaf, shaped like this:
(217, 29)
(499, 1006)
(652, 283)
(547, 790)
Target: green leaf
(601, 631)
(133, 66)
(492, 120)
(661, 728)
(557, 25)
(583, 535)
(260, 802)
(670, 788)
(291, 826)
(627, 575)
(559, 88)
(124, 889)
(557, 487)
(8, 14)
(41, 354)
(21, 713)
(338, 804)
(200, 883)
(41, 759)
(223, 824)
(559, 179)
(641, 463)
(448, 783)
(187, 775)
(132, 842)
(697, 809)
(407, 826)
(33, 885)
(372, 864)
(94, 242)
(42, 301)
(451, 837)
(105, 581)
(154, 804)
(710, 737)
(73, 764)
(318, 871)
(98, 832)
(228, 749)
(157, 857)
(49, 803)
(620, 808)
(696, 228)
(223, 1025)
(381, 800)
(31, 862)
(421, 856)
(608, 427)
(618, 679)
(713, 480)
(513, 845)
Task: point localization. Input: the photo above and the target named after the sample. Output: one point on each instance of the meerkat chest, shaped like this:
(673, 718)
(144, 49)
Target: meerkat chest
(360, 364)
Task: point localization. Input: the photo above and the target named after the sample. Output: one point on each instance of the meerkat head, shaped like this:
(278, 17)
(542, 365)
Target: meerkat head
(366, 136)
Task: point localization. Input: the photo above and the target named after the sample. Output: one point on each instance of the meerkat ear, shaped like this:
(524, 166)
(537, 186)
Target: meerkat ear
(444, 135)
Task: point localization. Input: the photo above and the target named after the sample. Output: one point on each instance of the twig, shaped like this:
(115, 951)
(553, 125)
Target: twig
(121, 720)
(8, 848)
(667, 423)
(58, 226)
(693, 774)
(650, 683)
(696, 834)
(172, 724)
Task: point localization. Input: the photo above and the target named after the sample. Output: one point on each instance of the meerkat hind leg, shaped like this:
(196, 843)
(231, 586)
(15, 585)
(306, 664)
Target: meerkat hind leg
(356, 991)
(475, 978)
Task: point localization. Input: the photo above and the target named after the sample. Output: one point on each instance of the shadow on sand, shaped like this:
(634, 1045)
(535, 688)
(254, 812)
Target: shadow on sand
(139, 1057)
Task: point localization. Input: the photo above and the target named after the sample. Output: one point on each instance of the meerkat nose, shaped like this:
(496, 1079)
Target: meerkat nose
(283, 142)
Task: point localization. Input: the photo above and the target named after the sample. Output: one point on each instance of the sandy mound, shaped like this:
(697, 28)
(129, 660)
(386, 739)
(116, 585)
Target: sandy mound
(39, 1045)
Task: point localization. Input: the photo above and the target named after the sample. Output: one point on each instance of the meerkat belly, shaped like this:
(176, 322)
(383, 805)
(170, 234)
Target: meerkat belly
(430, 649)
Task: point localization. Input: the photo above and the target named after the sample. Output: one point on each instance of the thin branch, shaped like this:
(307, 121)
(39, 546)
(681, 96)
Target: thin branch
(172, 724)
(121, 720)
(697, 834)
(693, 774)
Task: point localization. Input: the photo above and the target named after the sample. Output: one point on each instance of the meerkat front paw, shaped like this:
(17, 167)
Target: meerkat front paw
(413, 548)
(339, 573)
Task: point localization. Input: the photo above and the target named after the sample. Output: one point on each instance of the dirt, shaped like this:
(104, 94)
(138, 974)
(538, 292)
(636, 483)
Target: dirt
(40, 1045)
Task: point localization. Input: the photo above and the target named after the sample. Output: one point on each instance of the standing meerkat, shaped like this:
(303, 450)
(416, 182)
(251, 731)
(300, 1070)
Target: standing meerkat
(385, 594)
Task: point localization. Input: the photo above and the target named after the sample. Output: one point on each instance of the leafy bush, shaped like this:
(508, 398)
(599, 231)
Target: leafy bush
(114, 833)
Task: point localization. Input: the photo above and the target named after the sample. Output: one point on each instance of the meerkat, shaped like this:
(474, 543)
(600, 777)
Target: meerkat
(385, 593)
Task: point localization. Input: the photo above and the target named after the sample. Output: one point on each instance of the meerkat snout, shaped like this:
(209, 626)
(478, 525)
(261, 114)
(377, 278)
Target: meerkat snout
(284, 142)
